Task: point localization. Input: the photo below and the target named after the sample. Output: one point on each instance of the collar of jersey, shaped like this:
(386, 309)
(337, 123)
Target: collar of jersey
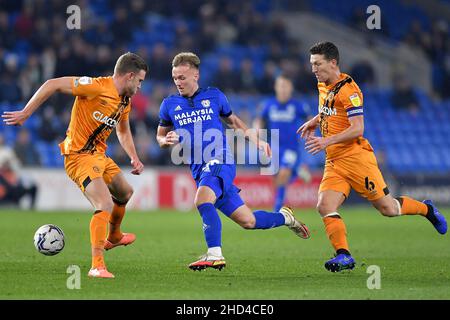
(342, 76)
(193, 96)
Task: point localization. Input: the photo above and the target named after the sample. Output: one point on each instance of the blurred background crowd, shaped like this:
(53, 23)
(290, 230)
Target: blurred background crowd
(243, 45)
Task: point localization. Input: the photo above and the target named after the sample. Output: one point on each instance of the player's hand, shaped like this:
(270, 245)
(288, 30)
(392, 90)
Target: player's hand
(265, 147)
(316, 144)
(172, 138)
(14, 118)
(138, 166)
(307, 129)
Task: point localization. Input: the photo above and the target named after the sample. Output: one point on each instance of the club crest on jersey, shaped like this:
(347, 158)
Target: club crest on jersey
(330, 96)
(354, 99)
(104, 119)
(83, 81)
(206, 103)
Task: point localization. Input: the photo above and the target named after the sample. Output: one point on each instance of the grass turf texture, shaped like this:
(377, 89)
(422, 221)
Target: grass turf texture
(262, 264)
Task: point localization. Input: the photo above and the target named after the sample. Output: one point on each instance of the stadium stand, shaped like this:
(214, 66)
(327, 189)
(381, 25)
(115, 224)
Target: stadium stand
(257, 41)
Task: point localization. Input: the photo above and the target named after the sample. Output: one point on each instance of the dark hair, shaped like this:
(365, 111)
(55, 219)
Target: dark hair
(328, 49)
(130, 62)
(186, 58)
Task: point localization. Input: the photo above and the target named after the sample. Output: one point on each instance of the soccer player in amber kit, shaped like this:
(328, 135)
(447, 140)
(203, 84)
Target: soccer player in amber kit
(101, 104)
(350, 159)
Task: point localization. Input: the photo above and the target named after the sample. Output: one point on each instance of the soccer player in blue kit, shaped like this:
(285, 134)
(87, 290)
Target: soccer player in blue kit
(284, 113)
(193, 119)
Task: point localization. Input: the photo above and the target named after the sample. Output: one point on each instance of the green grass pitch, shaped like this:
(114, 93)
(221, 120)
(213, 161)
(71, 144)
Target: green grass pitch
(262, 264)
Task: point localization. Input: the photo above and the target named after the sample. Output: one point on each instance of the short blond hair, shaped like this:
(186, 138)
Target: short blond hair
(189, 58)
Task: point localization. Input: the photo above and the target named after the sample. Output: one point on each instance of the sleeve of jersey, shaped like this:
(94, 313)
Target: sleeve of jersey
(164, 118)
(86, 86)
(225, 109)
(353, 104)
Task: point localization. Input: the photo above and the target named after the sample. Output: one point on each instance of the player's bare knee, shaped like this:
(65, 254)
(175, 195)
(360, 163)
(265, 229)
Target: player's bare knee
(324, 209)
(106, 205)
(128, 195)
(204, 197)
(247, 222)
(198, 201)
(387, 210)
(281, 180)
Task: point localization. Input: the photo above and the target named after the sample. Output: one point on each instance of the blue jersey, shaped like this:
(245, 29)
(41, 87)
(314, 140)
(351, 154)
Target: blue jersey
(287, 117)
(197, 121)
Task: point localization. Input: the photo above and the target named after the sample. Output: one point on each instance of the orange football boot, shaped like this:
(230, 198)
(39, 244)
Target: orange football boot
(128, 238)
(100, 272)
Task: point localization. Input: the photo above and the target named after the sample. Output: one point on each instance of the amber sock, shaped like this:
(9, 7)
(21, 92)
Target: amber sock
(412, 207)
(98, 229)
(336, 231)
(115, 220)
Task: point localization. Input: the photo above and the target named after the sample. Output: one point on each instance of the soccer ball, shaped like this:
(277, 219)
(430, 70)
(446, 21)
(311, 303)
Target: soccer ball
(49, 239)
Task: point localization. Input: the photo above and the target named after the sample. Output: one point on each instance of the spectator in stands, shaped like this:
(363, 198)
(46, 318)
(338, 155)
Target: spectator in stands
(50, 130)
(444, 91)
(7, 38)
(10, 90)
(30, 76)
(12, 188)
(228, 31)
(26, 150)
(403, 95)
(247, 81)
(358, 19)
(208, 29)
(267, 81)
(226, 78)
(363, 73)
(120, 26)
(104, 62)
(24, 22)
(159, 60)
(416, 36)
(305, 83)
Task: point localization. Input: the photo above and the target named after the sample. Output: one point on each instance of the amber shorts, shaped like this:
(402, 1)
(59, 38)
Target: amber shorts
(358, 171)
(83, 168)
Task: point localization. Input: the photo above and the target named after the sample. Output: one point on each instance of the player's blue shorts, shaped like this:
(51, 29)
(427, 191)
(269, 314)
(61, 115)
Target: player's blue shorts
(229, 199)
(290, 158)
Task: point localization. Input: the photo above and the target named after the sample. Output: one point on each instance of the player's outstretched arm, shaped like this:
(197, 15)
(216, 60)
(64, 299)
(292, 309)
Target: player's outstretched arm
(126, 141)
(166, 137)
(17, 118)
(307, 129)
(236, 123)
(258, 124)
(315, 144)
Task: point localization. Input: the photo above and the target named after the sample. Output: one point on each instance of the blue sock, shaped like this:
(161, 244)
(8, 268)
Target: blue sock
(212, 226)
(267, 220)
(279, 198)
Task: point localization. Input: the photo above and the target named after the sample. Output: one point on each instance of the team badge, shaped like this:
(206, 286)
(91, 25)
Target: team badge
(83, 81)
(330, 96)
(206, 103)
(354, 99)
